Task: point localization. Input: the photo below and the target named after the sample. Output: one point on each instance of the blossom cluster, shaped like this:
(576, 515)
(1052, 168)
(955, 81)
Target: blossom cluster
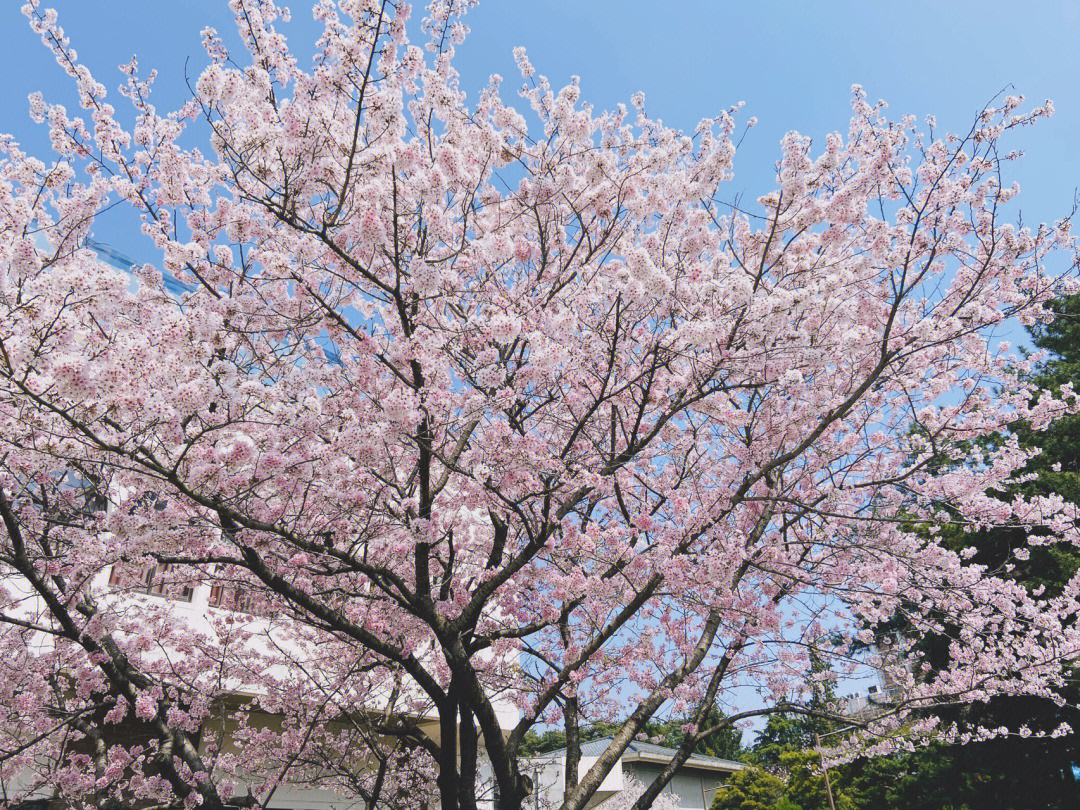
(491, 401)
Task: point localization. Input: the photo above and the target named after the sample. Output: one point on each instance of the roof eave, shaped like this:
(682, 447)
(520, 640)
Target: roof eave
(704, 765)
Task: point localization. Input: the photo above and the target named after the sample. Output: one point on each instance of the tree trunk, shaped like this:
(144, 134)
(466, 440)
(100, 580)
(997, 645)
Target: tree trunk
(448, 762)
(573, 746)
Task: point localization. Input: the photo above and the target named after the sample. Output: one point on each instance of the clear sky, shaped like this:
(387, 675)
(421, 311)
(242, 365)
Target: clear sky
(791, 62)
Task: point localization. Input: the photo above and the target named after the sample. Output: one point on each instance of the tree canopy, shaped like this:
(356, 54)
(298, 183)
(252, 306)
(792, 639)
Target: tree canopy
(479, 416)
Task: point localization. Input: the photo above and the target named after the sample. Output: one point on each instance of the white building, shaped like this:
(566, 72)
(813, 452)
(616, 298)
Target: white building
(695, 784)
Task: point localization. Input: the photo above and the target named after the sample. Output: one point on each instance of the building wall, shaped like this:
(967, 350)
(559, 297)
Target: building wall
(547, 775)
(694, 788)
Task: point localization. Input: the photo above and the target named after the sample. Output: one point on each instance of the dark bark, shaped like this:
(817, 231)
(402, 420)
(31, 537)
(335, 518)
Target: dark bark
(468, 741)
(573, 745)
(447, 781)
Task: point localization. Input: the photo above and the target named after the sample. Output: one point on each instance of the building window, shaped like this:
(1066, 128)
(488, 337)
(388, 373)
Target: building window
(155, 582)
(232, 597)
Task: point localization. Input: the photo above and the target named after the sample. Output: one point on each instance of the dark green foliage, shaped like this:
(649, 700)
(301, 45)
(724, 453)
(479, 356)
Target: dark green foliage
(752, 789)
(782, 734)
(999, 774)
(1013, 773)
(726, 743)
(794, 781)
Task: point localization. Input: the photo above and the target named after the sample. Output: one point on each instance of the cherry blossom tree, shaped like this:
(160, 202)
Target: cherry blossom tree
(470, 402)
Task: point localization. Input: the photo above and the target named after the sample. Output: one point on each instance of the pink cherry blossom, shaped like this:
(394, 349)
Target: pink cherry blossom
(479, 414)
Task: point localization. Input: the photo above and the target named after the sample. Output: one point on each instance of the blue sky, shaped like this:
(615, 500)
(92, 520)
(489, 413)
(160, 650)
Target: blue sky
(792, 63)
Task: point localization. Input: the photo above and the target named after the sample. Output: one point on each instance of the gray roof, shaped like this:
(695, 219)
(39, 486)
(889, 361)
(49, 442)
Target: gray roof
(638, 750)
